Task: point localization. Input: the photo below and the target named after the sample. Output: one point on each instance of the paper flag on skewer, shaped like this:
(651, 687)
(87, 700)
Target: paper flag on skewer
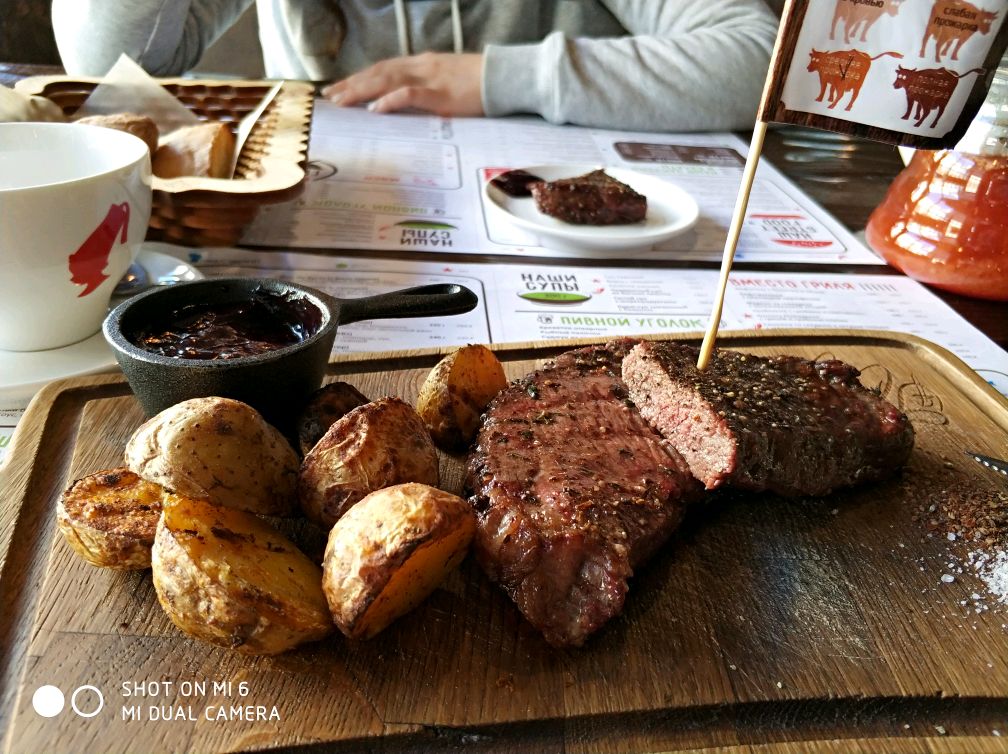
(909, 72)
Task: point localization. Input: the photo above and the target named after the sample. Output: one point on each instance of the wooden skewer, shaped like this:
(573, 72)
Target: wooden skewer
(731, 242)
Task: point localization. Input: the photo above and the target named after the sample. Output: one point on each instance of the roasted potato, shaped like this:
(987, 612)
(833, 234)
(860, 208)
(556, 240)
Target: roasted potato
(109, 518)
(220, 450)
(391, 550)
(374, 446)
(229, 578)
(326, 406)
(456, 392)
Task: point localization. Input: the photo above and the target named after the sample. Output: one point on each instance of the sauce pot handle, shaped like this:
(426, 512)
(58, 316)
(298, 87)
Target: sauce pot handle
(423, 301)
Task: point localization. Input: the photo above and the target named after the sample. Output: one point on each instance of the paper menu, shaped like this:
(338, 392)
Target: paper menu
(414, 182)
(523, 302)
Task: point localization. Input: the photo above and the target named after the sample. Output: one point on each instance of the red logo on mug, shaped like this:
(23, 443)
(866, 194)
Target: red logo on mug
(87, 264)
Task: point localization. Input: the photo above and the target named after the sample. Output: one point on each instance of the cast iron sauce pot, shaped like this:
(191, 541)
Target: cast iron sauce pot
(277, 382)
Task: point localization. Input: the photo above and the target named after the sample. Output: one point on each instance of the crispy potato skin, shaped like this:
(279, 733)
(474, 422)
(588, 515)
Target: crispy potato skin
(390, 551)
(220, 450)
(109, 518)
(228, 578)
(374, 446)
(327, 405)
(456, 392)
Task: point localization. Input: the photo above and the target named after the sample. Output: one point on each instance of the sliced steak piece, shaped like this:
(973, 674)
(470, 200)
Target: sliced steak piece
(594, 198)
(573, 490)
(785, 424)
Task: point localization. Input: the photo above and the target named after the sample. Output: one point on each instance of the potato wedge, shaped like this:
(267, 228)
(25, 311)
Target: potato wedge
(456, 392)
(229, 578)
(109, 518)
(220, 450)
(325, 407)
(374, 446)
(390, 551)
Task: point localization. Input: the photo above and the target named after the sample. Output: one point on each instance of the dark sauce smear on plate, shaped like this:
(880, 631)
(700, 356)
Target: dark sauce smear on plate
(230, 330)
(515, 182)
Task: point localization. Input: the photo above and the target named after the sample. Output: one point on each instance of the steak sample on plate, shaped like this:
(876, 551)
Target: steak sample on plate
(572, 490)
(594, 198)
(783, 423)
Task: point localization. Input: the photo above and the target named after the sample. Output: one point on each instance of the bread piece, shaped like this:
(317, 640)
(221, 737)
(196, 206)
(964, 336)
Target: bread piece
(203, 150)
(139, 125)
(16, 107)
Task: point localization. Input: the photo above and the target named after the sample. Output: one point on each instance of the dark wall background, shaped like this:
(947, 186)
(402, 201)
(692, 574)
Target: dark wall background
(26, 34)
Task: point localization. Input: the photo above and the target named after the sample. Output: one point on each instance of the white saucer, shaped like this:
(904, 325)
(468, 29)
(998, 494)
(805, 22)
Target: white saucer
(22, 373)
(670, 211)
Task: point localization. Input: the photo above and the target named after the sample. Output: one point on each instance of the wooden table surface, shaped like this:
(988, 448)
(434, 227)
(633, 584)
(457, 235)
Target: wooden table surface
(848, 176)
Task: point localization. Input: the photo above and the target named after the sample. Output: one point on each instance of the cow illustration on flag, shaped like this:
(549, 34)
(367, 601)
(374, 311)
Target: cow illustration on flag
(910, 72)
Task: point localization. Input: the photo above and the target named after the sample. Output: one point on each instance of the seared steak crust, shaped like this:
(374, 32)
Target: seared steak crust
(784, 424)
(573, 490)
(594, 198)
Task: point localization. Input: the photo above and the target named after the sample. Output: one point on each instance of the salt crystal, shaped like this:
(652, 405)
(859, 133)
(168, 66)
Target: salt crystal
(975, 596)
(780, 685)
(906, 726)
(940, 729)
(733, 667)
(996, 732)
(951, 536)
(948, 578)
(992, 568)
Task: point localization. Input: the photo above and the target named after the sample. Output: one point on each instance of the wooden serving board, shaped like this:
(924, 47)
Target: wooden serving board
(765, 625)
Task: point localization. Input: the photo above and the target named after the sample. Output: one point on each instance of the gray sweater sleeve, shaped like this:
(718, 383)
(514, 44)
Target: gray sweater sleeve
(166, 37)
(687, 65)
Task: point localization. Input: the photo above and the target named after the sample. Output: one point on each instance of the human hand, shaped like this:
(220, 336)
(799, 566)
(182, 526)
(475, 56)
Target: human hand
(443, 83)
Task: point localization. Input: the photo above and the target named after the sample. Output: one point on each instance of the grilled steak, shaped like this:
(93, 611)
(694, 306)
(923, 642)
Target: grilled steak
(591, 199)
(573, 490)
(785, 424)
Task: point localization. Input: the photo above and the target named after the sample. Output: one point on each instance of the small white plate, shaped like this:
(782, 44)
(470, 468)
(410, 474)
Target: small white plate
(670, 211)
(22, 373)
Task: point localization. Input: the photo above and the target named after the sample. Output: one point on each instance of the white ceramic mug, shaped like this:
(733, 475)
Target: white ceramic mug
(74, 205)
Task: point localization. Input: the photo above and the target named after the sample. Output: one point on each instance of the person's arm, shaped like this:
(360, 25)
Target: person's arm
(166, 37)
(688, 65)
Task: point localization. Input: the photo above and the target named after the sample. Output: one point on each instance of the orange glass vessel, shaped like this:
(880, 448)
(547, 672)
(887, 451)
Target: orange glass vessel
(945, 219)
